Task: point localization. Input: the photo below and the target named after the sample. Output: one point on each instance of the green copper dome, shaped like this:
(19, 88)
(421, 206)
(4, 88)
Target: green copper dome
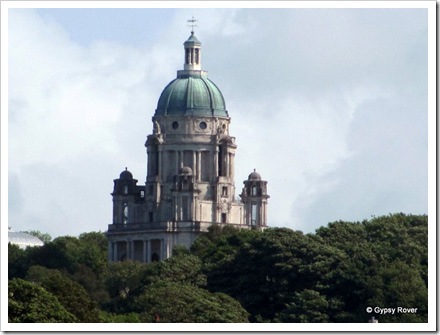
(191, 93)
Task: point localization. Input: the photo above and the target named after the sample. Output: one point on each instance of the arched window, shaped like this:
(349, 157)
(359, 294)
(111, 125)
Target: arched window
(186, 210)
(254, 214)
(254, 190)
(225, 191)
(197, 60)
(222, 160)
(154, 161)
(187, 56)
(125, 213)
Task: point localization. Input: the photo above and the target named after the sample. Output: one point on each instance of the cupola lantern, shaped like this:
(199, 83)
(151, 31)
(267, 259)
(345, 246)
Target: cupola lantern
(192, 53)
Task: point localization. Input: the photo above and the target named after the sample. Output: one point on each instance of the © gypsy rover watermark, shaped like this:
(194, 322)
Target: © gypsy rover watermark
(391, 310)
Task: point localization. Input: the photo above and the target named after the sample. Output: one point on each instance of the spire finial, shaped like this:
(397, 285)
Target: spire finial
(192, 24)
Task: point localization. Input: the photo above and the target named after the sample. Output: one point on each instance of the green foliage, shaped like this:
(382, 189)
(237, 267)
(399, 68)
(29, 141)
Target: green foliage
(67, 252)
(266, 269)
(70, 294)
(180, 250)
(399, 284)
(231, 275)
(93, 284)
(30, 303)
(181, 268)
(17, 261)
(177, 302)
(124, 281)
(168, 291)
(333, 275)
(93, 251)
(306, 306)
(53, 255)
(400, 237)
(221, 244)
(46, 238)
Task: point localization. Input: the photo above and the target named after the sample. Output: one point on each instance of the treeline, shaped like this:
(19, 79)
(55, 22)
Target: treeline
(230, 275)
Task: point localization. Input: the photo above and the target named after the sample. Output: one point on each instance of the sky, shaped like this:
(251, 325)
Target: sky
(330, 106)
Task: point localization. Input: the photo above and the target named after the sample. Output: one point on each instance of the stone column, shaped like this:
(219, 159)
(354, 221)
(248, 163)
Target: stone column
(178, 160)
(115, 251)
(216, 163)
(159, 164)
(144, 252)
(148, 251)
(194, 165)
(148, 161)
(232, 167)
(199, 165)
(110, 252)
(162, 249)
(127, 247)
(265, 212)
(227, 163)
(164, 173)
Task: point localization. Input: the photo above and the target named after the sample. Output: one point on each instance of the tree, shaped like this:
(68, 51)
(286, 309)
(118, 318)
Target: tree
(400, 237)
(399, 285)
(17, 261)
(67, 252)
(393, 245)
(306, 306)
(30, 303)
(177, 302)
(348, 283)
(181, 268)
(61, 253)
(275, 275)
(93, 284)
(124, 282)
(265, 270)
(70, 294)
(93, 251)
(346, 266)
(221, 244)
(46, 238)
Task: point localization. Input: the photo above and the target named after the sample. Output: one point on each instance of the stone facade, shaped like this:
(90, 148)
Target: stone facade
(190, 182)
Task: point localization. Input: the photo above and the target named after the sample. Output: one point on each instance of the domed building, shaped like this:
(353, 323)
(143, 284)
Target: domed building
(190, 182)
(23, 240)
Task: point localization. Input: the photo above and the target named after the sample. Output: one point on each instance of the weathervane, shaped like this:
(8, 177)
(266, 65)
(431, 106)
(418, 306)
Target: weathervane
(192, 24)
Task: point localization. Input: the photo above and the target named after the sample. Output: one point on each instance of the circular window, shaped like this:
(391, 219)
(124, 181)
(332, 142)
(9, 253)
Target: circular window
(203, 125)
(175, 125)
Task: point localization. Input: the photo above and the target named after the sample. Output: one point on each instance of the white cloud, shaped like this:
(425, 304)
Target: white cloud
(69, 110)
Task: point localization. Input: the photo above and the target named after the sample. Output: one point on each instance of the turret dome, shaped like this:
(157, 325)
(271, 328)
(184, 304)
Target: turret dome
(126, 175)
(254, 176)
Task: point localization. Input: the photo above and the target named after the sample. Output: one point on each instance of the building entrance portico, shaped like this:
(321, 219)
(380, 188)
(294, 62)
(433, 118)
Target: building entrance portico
(141, 250)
